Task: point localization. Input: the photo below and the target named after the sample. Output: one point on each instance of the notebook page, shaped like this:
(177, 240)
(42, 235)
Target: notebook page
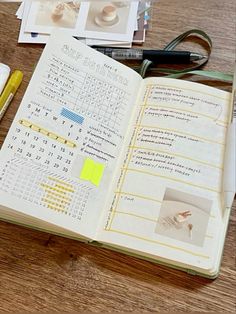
(61, 150)
(168, 199)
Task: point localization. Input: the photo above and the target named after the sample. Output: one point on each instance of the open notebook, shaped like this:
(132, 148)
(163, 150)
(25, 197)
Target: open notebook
(99, 154)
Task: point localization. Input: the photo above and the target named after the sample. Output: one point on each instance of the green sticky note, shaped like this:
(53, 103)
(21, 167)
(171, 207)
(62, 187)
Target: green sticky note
(87, 169)
(97, 173)
(92, 171)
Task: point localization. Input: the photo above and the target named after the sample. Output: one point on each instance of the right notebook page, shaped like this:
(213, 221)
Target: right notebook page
(168, 199)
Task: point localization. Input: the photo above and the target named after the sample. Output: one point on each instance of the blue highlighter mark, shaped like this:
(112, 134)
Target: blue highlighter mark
(72, 116)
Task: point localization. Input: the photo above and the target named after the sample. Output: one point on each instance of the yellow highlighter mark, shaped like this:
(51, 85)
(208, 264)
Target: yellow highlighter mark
(53, 194)
(70, 144)
(92, 171)
(52, 135)
(57, 200)
(35, 128)
(52, 203)
(56, 208)
(58, 194)
(26, 123)
(52, 188)
(61, 187)
(60, 181)
(44, 132)
(47, 133)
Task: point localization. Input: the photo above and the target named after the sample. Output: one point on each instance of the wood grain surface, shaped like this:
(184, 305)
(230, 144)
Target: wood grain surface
(42, 272)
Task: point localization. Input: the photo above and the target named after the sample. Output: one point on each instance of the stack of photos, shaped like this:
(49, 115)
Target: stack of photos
(102, 23)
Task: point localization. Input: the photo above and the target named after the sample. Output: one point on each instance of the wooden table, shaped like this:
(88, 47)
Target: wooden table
(43, 272)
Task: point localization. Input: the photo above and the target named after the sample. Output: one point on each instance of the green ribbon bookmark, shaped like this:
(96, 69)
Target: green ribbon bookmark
(172, 73)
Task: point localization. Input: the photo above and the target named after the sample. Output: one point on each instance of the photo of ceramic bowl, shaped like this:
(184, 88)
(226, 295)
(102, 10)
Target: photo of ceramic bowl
(107, 17)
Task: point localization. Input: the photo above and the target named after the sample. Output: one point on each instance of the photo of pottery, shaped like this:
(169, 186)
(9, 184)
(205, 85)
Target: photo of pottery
(108, 16)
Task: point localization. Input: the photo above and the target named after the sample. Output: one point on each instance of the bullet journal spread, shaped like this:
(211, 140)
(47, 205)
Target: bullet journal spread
(101, 155)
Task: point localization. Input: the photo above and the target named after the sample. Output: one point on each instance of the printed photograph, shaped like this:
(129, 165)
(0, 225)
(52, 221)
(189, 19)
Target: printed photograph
(29, 37)
(46, 14)
(108, 16)
(108, 20)
(184, 217)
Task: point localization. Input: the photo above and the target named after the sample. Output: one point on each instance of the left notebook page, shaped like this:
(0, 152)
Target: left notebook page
(58, 158)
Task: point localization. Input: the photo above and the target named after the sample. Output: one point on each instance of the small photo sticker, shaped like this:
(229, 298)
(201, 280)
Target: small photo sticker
(184, 217)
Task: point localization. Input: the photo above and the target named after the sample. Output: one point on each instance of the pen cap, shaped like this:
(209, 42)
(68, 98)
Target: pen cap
(4, 74)
(15, 80)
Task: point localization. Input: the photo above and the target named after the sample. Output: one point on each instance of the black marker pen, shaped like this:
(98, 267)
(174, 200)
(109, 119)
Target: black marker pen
(157, 56)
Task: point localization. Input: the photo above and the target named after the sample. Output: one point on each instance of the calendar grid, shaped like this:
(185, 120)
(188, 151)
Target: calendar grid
(39, 186)
(84, 93)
